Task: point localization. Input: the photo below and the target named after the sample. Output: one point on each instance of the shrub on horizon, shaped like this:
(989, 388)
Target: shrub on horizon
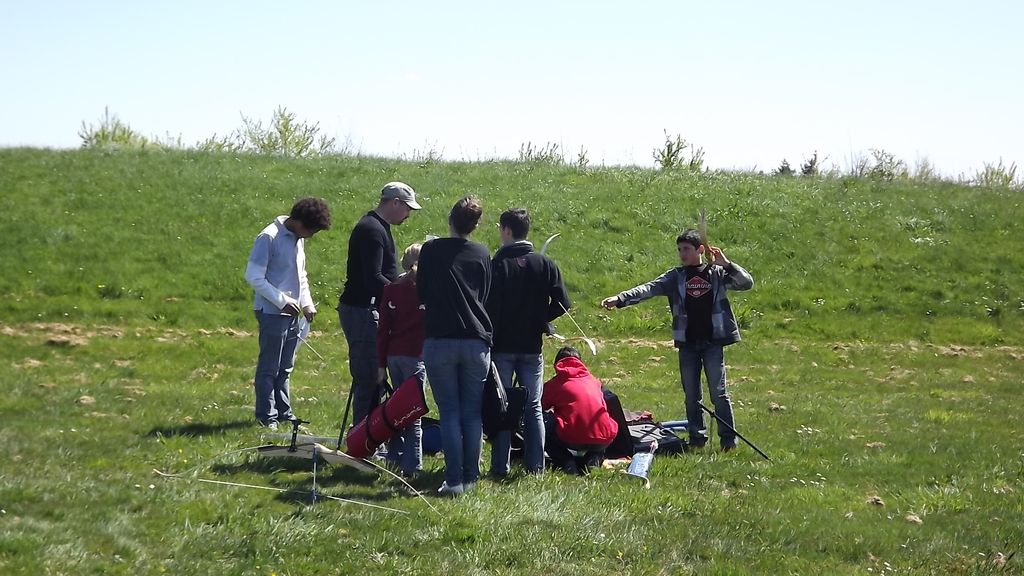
(547, 154)
(581, 160)
(672, 154)
(784, 169)
(924, 172)
(998, 176)
(887, 167)
(285, 136)
(812, 167)
(111, 133)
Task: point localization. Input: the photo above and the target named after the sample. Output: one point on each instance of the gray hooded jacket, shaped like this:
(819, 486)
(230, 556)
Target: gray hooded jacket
(724, 330)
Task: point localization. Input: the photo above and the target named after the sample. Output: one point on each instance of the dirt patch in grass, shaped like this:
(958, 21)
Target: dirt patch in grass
(62, 334)
(28, 364)
(66, 340)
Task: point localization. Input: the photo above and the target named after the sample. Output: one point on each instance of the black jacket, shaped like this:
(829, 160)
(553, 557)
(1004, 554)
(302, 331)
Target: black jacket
(372, 263)
(526, 293)
(453, 279)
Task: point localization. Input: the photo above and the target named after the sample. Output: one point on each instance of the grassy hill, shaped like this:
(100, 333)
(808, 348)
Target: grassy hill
(162, 238)
(882, 345)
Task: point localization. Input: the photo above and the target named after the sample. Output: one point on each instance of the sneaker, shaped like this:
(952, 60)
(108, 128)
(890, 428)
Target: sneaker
(728, 447)
(451, 491)
(271, 425)
(697, 444)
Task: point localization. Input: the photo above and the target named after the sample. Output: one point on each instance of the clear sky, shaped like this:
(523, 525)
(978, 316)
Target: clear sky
(752, 82)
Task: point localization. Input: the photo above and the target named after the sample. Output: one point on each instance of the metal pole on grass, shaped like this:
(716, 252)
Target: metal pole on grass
(733, 430)
(344, 419)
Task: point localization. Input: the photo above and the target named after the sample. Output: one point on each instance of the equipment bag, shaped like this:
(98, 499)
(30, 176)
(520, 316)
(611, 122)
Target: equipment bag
(431, 435)
(645, 432)
(402, 408)
(502, 408)
(638, 435)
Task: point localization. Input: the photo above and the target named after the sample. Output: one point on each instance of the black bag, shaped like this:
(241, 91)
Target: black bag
(638, 435)
(645, 432)
(502, 408)
(431, 435)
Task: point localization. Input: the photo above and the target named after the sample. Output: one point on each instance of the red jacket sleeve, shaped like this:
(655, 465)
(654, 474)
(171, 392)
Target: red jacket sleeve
(546, 399)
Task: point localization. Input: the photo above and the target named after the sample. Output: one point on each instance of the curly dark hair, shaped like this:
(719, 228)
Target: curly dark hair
(465, 215)
(314, 213)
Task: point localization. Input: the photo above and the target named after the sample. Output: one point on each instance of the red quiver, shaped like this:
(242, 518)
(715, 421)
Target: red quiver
(389, 418)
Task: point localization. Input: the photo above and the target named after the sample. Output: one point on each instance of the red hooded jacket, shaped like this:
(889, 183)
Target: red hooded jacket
(581, 415)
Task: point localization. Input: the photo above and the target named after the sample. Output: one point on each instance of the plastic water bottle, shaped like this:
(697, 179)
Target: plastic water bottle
(640, 465)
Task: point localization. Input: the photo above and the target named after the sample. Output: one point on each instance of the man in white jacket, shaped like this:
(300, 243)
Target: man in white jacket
(277, 272)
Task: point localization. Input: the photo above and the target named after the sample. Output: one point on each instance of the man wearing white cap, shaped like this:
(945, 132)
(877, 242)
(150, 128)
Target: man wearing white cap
(372, 264)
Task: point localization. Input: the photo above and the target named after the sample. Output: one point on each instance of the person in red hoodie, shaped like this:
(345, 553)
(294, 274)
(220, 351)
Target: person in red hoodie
(400, 351)
(576, 416)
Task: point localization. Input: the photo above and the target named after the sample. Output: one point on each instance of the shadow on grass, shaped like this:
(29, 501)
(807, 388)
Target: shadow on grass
(199, 429)
(295, 476)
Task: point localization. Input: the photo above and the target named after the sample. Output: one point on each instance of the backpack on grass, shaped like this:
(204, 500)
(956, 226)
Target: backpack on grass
(637, 435)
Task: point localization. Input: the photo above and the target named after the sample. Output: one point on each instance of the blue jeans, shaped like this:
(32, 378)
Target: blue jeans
(406, 449)
(529, 368)
(279, 340)
(456, 370)
(360, 328)
(692, 357)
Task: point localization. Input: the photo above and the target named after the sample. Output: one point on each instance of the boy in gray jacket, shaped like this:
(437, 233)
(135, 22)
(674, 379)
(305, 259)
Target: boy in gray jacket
(702, 324)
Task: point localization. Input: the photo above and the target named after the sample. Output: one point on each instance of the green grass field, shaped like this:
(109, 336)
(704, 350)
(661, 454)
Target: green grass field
(880, 369)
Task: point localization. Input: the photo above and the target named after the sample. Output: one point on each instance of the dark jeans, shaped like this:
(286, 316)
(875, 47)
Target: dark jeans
(571, 458)
(360, 328)
(694, 356)
(530, 370)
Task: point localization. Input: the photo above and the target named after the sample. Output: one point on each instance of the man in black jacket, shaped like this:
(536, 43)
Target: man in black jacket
(372, 264)
(526, 294)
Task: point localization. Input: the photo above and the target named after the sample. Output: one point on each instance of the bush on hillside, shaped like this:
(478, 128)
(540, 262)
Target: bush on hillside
(581, 160)
(997, 176)
(673, 155)
(111, 133)
(925, 172)
(887, 167)
(546, 154)
(285, 136)
(811, 167)
(784, 169)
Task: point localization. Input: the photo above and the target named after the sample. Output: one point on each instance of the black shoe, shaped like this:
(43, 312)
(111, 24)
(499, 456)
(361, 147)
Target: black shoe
(593, 461)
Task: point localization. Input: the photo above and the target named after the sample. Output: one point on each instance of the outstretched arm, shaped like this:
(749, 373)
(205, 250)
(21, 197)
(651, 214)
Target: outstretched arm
(657, 287)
